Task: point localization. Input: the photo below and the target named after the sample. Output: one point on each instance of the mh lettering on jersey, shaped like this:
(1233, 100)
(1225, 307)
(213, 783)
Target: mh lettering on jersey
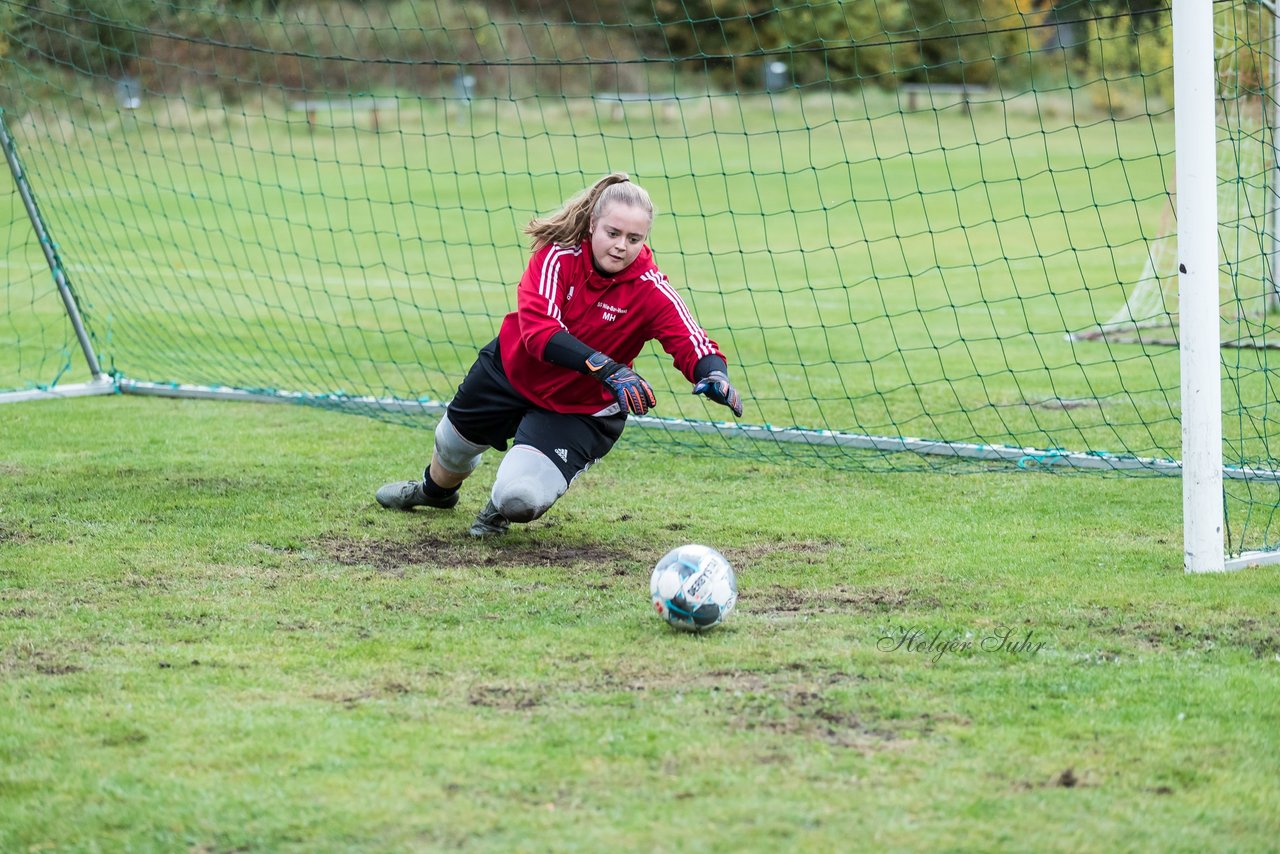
(610, 312)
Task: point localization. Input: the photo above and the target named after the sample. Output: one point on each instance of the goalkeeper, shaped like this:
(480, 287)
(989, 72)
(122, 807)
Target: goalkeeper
(557, 381)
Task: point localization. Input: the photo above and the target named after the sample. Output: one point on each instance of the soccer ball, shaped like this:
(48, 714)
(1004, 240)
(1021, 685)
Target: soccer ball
(693, 588)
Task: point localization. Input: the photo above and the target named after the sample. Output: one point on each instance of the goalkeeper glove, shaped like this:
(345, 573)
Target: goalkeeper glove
(716, 386)
(629, 388)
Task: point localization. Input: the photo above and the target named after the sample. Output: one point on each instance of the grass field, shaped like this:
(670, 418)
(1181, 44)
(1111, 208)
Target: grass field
(211, 639)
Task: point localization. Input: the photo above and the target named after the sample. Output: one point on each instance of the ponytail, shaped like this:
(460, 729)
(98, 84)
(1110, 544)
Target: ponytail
(572, 223)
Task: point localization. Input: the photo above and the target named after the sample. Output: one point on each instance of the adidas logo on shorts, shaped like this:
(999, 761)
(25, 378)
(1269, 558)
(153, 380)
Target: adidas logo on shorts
(562, 454)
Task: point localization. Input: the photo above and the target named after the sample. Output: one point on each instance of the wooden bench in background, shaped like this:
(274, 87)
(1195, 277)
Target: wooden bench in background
(617, 100)
(939, 95)
(353, 106)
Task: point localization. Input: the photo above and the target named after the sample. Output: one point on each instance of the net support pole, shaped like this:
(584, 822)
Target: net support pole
(1195, 137)
(50, 253)
(1272, 182)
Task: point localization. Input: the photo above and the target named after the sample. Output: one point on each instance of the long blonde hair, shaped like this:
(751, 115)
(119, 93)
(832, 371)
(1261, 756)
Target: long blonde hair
(572, 223)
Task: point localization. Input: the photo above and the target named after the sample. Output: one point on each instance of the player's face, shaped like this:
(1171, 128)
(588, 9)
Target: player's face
(618, 235)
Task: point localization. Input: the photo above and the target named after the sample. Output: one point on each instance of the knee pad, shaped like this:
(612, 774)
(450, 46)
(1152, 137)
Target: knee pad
(527, 484)
(454, 452)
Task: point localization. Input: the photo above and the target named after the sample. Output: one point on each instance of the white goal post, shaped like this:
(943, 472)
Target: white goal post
(1195, 137)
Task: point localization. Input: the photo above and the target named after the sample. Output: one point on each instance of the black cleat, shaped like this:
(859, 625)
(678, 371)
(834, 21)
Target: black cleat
(408, 494)
(489, 522)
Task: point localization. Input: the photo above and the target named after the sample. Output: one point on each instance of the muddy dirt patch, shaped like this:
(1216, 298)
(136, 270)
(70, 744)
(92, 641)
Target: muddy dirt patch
(1261, 637)
(15, 534)
(802, 551)
(350, 699)
(777, 600)
(504, 697)
(810, 712)
(448, 552)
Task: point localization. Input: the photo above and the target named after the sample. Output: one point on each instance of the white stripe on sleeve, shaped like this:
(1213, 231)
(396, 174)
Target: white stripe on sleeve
(697, 337)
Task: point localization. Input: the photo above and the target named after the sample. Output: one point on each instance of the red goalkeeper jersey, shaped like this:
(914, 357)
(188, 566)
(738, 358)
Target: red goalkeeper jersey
(616, 315)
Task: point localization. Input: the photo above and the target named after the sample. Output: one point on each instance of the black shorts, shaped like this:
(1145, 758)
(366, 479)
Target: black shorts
(487, 410)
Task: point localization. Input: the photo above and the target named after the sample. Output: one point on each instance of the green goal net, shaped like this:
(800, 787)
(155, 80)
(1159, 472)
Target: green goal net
(933, 234)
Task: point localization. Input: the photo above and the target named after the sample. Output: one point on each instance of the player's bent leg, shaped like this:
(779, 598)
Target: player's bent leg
(528, 483)
(457, 456)
(526, 486)
(454, 452)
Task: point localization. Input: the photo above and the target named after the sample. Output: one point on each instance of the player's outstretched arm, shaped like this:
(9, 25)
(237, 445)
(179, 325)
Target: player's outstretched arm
(716, 386)
(629, 388)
